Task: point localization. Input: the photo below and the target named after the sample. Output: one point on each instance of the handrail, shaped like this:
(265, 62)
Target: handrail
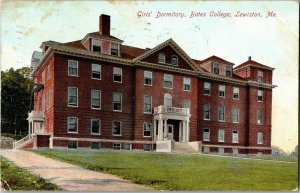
(165, 109)
(22, 141)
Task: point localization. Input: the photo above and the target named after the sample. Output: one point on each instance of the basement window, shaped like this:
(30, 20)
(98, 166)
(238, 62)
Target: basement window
(95, 145)
(72, 145)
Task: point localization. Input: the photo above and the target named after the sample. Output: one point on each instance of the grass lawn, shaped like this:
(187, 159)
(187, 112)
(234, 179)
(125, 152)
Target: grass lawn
(185, 172)
(20, 179)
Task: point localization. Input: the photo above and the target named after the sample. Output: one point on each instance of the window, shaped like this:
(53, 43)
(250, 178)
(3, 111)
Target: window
(235, 151)
(235, 137)
(221, 113)
(48, 99)
(221, 150)
(95, 99)
(48, 72)
(43, 102)
(117, 101)
(95, 145)
(117, 74)
(236, 93)
(73, 97)
(43, 77)
(260, 76)
(221, 136)
(96, 71)
(147, 129)
(116, 128)
(186, 83)
(147, 147)
(222, 91)
(206, 149)
(72, 68)
(148, 78)
(259, 117)
(72, 145)
(260, 94)
(95, 126)
(206, 88)
(206, 112)
(161, 58)
(186, 104)
(167, 100)
(117, 146)
(215, 68)
(72, 124)
(174, 60)
(206, 135)
(96, 45)
(126, 146)
(235, 115)
(168, 81)
(114, 49)
(228, 70)
(147, 104)
(259, 138)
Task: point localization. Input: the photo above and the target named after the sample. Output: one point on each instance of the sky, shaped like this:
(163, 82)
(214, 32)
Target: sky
(273, 41)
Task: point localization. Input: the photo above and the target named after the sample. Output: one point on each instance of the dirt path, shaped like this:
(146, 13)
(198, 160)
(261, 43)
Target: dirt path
(67, 176)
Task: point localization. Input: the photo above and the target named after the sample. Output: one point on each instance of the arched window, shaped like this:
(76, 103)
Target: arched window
(168, 100)
(174, 60)
(161, 58)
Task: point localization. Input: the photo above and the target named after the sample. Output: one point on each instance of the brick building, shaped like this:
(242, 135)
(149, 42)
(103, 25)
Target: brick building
(98, 93)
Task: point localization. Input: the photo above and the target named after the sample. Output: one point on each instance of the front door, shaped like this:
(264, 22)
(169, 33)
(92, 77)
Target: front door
(170, 132)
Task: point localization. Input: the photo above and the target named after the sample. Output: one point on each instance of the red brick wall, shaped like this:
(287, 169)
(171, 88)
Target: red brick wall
(168, 51)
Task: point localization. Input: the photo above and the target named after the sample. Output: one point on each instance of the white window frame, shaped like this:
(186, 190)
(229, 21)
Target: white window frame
(218, 65)
(209, 86)
(120, 101)
(161, 58)
(260, 76)
(121, 73)
(236, 90)
(75, 75)
(99, 133)
(175, 58)
(227, 70)
(219, 135)
(204, 139)
(168, 96)
(145, 123)
(117, 47)
(233, 115)
(185, 101)
(145, 112)
(94, 43)
(48, 71)
(77, 102)
(260, 94)
(221, 90)
(260, 138)
(237, 136)
(221, 150)
(204, 118)
(223, 113)
(165, 75)
(188, 80)
(262, 117)
(76, 144)
(113, 128)
(145, 76)
(93, 90)
(76, 132)
(100, 69)
(97, 143)
(116, 146)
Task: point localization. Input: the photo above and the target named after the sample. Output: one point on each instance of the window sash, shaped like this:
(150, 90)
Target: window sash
(147, 130)
(236, 93)
(95, 96)
(221, 90)
(186, 83)
(174, 60)
(72, 98)
(167, 100)
(259, 117)
(168, 81)
(228, 71)
(216, 69)
(117, 101)
(72, 124)
(206, 110)
(260, 138)
(116, 128)
(147, 104)
(147, 78)
(221, 135)
(221, 115)
(235, 137)
(72, 68)
(117, 74)
(260, 95)
(72, 144)
(206, 135)
(186, 104)
(114, 49)
(235, 115)
(95, 145)
(161, 58)
(95, 126)
(260, 76)
(96, 71)
(207, 88)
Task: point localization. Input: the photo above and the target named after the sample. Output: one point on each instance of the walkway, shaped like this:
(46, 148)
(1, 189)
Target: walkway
(67, 176)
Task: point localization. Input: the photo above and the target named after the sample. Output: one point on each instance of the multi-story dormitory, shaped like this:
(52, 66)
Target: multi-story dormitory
(97, 93)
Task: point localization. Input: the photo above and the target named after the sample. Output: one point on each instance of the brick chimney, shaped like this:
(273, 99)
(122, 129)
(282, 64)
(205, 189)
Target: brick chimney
(249, 58)
(104, 24)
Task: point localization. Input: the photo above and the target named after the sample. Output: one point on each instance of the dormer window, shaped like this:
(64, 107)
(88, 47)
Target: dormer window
(96, 45)
(114, 49)
(216, 68)
(228, 71)
(161, 58)
(174, 60)
(260, 76)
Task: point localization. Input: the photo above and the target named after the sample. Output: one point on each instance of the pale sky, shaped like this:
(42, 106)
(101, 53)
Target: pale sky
(270, 41)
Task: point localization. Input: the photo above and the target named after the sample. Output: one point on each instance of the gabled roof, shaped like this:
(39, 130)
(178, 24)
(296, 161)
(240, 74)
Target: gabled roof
(98, 35)
(76, 44)
(170, 42)
(131, 52)
(213, 57)
(254, 64)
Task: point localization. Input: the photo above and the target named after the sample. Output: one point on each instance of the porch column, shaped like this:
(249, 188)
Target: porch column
(187, 130)
(183, 131)
(29, 129)
(160, 129)
(180, 131)
(154, 130)
(165, 129)
(32, 128)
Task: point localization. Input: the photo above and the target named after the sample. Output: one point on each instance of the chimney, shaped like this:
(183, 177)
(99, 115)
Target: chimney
(249, 58)
(104, 25)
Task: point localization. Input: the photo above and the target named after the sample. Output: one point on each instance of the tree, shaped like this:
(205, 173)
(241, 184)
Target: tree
(277, 151)
(16, 88)
(295, 152)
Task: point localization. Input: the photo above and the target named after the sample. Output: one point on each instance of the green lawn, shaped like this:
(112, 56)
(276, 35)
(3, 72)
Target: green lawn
(20, 179)
(185, 172)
